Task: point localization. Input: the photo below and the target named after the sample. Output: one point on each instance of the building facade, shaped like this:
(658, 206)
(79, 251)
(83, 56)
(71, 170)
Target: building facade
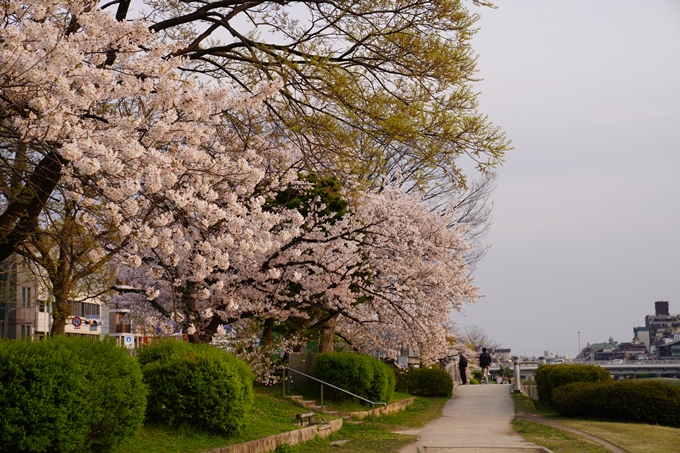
(662, 325)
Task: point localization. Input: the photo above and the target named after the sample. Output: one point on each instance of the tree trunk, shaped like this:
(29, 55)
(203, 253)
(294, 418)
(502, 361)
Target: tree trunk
(61, 310)
(268, 333)
(327, 334)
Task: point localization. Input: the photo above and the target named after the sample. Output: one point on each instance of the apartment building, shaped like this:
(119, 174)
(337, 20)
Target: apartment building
(25, 310)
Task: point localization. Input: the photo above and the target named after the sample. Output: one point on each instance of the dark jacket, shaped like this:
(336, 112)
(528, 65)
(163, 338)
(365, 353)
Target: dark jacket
(462, 362)
(484, 359)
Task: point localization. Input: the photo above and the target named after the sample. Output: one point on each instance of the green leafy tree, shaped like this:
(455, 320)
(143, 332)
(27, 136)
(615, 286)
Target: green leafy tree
(376, 90)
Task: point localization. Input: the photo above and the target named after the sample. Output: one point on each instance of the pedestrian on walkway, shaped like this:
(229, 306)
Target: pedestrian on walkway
(462, 367)
(485, 364)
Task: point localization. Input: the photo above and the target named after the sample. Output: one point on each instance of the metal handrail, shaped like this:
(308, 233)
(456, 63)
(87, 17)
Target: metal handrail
(373, 403)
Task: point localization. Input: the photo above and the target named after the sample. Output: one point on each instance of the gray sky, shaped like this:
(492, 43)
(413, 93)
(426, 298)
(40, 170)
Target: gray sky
(587, 221)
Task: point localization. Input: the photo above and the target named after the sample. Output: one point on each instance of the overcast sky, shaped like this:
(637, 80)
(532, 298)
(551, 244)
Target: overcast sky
(587, 207)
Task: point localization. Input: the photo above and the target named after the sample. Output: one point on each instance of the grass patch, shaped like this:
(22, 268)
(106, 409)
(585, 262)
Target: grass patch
(544, 409)
(633, 437)
(554, 439)
(269, 415)
(523, 404)
(363, 438)
(360, 438)
(417, 414)
(350, 404)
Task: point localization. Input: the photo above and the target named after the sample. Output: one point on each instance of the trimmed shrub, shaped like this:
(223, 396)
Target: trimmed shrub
(196, 385)
(382, 387)
(425, 382)
(549, 377)
(632, 401)
(68, 395)
(362, 375)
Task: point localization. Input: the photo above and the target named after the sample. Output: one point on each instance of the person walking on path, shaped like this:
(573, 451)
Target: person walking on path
(485, 364)
(462, 367)
(476, 420)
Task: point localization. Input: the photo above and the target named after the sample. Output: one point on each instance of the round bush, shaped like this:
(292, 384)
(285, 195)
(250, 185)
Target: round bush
(382, 387)
(549, 377)
(196, 385)
(633, 401)
(425, 382)
(68, 395)
(362, 375)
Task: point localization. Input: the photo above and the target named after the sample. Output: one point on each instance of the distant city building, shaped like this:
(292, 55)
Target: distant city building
(641, 334)
(669, 350)
(663, 326)
(602, 351)
(633, 351)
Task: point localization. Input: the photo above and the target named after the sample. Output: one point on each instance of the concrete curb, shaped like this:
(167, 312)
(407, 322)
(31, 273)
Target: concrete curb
(382, 410)
(270, 443)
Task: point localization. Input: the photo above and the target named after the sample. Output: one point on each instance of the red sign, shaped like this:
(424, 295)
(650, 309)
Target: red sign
(76, 321)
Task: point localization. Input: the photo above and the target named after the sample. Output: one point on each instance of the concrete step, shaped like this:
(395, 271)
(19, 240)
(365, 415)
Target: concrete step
(319, 408)
(330, 412)
(297, 398)
(308, 403)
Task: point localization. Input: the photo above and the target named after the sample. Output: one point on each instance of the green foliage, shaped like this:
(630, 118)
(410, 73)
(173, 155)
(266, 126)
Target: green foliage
(474, 381)
(68, 395)
(362, 375)
(425, 382)
(634, 401)
(477, 374)
(196, 385)
(549, 377)
(327, 190)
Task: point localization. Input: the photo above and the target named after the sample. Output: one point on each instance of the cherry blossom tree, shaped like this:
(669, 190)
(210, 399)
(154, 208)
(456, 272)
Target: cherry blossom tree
(370, 89)
(387, 274)
(128, 146)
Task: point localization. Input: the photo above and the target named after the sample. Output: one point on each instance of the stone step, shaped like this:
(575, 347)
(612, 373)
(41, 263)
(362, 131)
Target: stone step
(330, 412)
(319, 408)
(308, 403)
(297, 398)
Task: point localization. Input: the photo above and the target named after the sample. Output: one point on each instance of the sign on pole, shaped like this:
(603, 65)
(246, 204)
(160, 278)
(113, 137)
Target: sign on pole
(76, 321)
(129, 341)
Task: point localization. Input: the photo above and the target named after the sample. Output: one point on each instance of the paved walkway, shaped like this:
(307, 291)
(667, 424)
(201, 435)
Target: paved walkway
(476, 420)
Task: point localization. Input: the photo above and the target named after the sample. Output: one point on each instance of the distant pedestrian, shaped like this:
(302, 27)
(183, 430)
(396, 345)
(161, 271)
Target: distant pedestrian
(485, 364)
(462, 367)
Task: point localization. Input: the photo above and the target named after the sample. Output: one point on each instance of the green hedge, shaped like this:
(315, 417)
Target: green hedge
(68, 395)
(425, 382)
(549, 377)
(362, 375)
(629, 400)
(196, 385)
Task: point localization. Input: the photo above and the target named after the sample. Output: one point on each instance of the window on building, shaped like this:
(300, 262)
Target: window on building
(25, 296)
(85, 309)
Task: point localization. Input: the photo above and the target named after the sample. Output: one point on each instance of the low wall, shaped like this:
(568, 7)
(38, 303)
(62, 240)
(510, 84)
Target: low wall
(270, 443)
(380, 410)
(530, 390)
